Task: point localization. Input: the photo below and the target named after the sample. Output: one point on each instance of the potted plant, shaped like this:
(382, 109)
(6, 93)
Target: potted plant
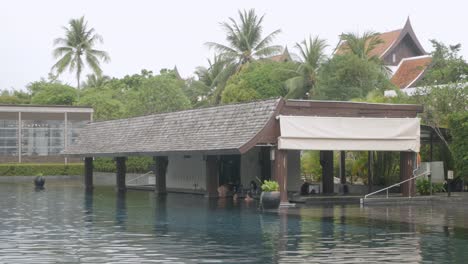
(270, 197)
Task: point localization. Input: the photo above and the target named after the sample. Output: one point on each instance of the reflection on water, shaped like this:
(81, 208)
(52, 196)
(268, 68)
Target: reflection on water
(68, 224)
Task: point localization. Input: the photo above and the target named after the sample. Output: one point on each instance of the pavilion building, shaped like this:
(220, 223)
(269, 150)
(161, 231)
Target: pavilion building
(200, 149)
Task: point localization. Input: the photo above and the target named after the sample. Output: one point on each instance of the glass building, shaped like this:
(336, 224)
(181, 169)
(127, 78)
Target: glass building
(32, 133)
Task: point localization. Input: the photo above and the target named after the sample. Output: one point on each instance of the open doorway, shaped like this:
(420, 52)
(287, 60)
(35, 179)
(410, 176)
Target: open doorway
(229, 173)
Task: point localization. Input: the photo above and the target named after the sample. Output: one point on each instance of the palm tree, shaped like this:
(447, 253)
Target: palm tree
(77, 48)
(215, 76)
(93, 80)
(312, 56)
(245, 42)
(363, 45)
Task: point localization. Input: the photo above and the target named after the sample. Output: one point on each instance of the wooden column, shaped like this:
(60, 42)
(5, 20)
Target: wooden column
(160, 173)
(281, 173)
(212, 176)
(88, 173)
(370, 178)
(326, 160)
(343, 167)
(408, 189)
(121, 171)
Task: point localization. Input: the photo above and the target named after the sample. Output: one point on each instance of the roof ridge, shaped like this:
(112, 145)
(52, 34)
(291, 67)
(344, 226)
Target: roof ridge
(189, 110)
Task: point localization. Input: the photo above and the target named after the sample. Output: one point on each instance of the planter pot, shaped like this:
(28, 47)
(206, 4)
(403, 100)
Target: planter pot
(270, 200)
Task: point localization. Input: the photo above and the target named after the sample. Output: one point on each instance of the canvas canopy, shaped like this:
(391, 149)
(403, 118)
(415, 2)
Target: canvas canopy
(349, 133)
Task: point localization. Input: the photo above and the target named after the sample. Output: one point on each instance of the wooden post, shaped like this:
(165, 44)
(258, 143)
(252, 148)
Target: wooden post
(408, 189)
(212, 176)
(88, 173)
(343, 167)
(370, 179)
(160, 173)
(326, 160)
(121, 171)
(281, 173)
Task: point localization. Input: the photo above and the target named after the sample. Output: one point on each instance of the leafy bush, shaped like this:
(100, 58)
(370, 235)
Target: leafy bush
(458, 125)
(134, 164)
(270, 186)
(423, 187)
(32, 169)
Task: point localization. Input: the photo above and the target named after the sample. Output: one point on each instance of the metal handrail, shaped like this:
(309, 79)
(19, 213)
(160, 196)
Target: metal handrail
(398, 184)
(143, 175)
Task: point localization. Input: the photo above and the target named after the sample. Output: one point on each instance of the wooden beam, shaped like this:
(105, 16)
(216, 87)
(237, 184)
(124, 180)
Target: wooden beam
(161, 169)
(408, 189)
(121, 171)
(326, 160)
(88, 173)
(343, 167)
(370, 179)
(281, 173)
(212, 176)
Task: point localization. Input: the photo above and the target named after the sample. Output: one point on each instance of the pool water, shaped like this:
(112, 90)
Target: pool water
(65, 224)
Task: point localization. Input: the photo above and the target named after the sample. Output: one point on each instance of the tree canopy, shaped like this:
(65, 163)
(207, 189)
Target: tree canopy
(347, 76)
(262, 79)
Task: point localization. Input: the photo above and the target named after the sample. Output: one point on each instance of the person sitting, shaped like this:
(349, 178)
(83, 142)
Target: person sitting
(253, 187)
(305, 188)
(248, 197)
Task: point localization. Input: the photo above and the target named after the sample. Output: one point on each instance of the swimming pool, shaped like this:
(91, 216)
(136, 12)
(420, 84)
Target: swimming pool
(64, 223)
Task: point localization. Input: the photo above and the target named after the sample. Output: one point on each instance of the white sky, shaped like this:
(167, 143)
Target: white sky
(160, 34)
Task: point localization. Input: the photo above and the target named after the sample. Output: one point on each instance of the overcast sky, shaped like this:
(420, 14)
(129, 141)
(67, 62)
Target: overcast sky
(160, 34)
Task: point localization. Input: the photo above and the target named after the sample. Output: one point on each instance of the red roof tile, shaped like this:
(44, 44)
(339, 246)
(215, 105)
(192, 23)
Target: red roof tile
(410, 70)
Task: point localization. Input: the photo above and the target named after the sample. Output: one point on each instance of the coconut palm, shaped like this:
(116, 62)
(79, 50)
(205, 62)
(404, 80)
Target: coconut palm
(93, 80)
(245, 42)
(215, 76)
(312, 56)
(77, 48)
(361, 45)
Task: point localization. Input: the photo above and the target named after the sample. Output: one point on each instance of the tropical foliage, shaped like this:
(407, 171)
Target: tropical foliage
(78, 48)
(447, 65)
(458, 124)
(245, 41)
(312, 55)
(258, 80)
(270, 186)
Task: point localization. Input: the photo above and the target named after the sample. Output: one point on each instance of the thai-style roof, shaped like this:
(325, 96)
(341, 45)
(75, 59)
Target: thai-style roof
(410, 70)
(390, 41)
(283, 57)
(224, 128)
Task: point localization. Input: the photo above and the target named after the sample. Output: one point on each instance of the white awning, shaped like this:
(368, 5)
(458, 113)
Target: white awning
(349, 133)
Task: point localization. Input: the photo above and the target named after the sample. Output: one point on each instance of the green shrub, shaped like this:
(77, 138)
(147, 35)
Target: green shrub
(34, 169)
(270, 186)
(423, 187)
(134, 164)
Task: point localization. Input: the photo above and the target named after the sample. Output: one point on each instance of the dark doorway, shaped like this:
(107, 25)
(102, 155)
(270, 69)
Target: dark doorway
(229, 170)
(265, 163)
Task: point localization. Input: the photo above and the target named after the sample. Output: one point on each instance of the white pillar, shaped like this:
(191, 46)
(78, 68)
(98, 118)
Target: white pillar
(65, 142)
(20, 135)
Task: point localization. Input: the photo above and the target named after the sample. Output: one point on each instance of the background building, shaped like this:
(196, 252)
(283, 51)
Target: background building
(33, 133)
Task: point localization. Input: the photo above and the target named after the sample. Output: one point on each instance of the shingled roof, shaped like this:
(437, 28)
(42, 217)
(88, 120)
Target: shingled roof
(223, 128)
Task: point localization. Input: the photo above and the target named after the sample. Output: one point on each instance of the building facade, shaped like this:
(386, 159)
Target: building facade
(33, 133)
